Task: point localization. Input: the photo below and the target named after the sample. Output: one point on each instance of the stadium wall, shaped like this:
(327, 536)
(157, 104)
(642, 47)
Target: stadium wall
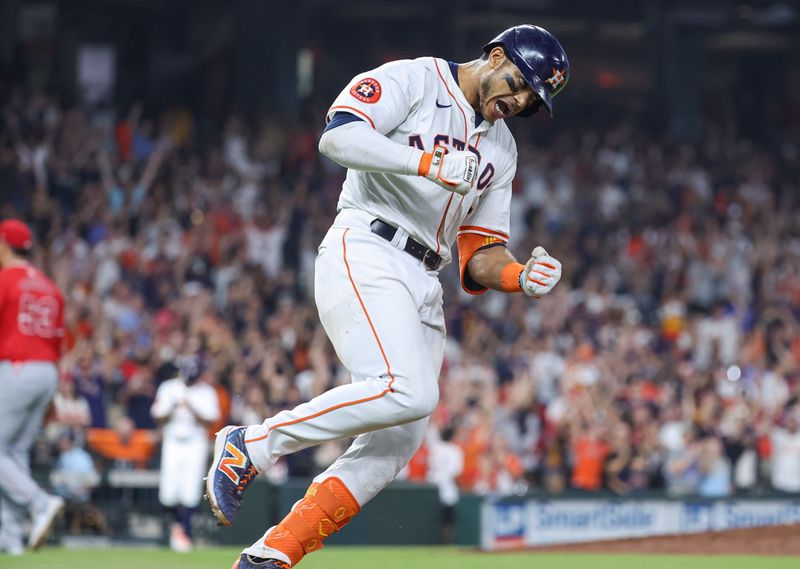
(509, 524)
(410, 514)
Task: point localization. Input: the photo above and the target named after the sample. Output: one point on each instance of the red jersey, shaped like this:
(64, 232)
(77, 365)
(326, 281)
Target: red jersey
(31, 315)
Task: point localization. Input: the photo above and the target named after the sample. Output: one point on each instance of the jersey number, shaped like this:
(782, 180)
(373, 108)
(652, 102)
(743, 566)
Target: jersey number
(37, 315)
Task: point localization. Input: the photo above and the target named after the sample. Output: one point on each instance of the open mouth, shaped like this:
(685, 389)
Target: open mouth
(502, 108)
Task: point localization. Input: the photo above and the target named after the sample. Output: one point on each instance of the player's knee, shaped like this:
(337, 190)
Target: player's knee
(417, 402)
(427, 403)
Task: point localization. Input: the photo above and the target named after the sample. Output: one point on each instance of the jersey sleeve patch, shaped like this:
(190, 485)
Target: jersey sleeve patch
(367, 90)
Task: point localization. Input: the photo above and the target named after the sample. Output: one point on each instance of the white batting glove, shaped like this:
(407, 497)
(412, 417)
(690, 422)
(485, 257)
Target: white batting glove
(454, 170)
(541, 273)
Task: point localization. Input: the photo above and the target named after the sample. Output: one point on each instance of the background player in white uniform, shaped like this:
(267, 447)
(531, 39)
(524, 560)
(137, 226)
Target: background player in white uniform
(187, 406)
(445, 465)
(430, 161)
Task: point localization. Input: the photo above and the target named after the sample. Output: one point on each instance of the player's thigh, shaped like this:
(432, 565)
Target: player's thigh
(171, 477)
(369, 308)
(16, 403)
(44, 376)
(195, 465)
(433, 328)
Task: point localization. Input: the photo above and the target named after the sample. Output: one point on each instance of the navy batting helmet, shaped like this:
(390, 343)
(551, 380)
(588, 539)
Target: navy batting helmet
(540, 58)
(191, 367)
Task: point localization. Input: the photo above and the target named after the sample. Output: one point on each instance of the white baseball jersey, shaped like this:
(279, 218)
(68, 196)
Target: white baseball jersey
(182, 424)
(184, 454)
(419, 103)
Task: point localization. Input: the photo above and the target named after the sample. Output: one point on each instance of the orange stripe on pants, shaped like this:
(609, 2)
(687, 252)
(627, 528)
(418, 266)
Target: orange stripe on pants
(380, 347)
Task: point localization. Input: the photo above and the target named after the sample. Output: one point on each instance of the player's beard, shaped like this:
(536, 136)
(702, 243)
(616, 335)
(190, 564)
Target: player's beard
(484, 89)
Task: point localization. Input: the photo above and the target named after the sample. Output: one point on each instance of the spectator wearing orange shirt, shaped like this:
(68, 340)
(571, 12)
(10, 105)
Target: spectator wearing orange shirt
(589, 456)
(500, 471)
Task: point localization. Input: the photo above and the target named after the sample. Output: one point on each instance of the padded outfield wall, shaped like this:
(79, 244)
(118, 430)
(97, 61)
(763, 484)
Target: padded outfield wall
(509, 524)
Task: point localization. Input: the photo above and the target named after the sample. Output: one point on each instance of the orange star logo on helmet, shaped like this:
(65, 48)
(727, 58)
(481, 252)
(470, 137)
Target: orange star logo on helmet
(556, 79)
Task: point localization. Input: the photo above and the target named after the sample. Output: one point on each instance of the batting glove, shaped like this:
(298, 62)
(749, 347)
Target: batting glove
(541, 273)
(454, 170)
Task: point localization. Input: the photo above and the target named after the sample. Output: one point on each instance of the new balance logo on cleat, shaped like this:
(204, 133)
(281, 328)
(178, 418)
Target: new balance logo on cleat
(235, 460)
(230, 474)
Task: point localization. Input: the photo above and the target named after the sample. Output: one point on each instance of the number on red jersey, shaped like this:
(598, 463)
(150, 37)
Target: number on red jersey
(37, 315)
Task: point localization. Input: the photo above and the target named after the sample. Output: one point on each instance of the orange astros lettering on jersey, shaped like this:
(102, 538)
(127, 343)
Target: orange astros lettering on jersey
(236, 459)
(367, 90)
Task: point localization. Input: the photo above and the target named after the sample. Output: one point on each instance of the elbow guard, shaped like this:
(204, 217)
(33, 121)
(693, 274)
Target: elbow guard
(468, 245)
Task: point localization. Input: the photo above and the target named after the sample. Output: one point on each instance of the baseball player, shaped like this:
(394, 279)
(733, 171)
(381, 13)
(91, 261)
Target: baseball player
(31, 331)
(430, 162)
(186, 406)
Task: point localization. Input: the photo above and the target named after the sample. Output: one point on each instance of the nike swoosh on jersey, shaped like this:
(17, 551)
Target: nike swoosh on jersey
(443, 106)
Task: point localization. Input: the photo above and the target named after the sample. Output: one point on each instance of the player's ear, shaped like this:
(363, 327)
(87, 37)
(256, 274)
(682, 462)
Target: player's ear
(497, 57)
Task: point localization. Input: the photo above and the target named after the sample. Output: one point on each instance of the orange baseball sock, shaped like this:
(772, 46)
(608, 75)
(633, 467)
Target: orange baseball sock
(325, 509)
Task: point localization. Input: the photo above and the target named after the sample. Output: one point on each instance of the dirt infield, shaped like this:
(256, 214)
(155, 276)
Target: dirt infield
(774, 540)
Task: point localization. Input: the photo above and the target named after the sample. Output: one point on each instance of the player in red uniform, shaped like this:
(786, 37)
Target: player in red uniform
(31, 331)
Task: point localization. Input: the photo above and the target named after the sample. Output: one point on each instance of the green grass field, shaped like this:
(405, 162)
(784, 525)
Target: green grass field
(385, 558)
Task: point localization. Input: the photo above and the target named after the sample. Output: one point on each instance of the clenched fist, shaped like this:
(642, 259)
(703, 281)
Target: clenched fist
(454, 170)
(541, 273)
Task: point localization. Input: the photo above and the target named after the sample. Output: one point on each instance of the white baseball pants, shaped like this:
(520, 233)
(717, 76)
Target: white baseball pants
(382, 310)
(184, 463)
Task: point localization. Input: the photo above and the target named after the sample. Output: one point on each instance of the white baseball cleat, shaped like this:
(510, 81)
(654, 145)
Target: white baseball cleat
(43, 520)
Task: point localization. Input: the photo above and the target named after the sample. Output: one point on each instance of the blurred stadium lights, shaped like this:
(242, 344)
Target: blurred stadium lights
(781, 14)
(96, 72)
(607, 79)
(305, 72)
(172, 50)
(620, 32)
(742, 27)
(527, 5)
(701, 15)
(729, 14)
(749, 41)
(368, 10)
(562, 26)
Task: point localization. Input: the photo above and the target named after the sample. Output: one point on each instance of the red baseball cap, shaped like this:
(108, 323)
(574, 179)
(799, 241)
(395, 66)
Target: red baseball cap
(16, 233)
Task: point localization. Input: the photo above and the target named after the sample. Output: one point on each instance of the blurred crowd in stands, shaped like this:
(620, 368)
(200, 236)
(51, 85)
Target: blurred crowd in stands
(668, 358)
